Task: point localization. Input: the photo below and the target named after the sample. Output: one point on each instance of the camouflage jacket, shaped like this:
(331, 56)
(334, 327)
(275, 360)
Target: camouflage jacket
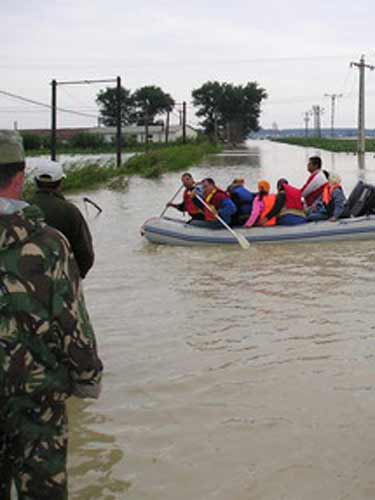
(47, 345)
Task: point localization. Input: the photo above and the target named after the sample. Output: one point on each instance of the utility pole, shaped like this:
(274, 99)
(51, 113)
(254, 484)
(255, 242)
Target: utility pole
(306, 119)
(184, 122)
(167, 122)
(54, 85)
(333, 98)
(317, 111)
(361, 109)
(216, 128)
(53, 121)
(146, 125)
(118, 122)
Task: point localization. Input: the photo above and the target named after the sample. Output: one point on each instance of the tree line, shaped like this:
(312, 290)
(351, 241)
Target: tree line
(227, 111)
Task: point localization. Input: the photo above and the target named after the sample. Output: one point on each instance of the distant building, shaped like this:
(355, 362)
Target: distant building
(156, 133)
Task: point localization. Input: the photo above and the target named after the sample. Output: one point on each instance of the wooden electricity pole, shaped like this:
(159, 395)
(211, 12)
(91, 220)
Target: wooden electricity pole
(306, 119)
(118, 122)
(167, 122)
(333, 98)
(361, 107)
(54, 85)
(53, 121)
(317, 111)
(184, 122)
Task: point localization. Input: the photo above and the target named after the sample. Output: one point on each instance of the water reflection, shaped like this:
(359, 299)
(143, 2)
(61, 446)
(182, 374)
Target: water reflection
(94, 467)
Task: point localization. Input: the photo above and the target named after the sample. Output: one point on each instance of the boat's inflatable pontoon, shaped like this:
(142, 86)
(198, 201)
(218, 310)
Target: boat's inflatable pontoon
(168, 231)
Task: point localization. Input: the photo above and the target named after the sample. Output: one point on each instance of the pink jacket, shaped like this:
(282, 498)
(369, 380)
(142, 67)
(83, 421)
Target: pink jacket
(258, 207)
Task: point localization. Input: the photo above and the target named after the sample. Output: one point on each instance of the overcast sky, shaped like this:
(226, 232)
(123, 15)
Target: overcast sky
(296, 50)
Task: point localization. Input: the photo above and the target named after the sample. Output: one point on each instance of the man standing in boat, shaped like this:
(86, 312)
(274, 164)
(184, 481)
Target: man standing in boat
(190, 203)
(47, 345)
(312, 190)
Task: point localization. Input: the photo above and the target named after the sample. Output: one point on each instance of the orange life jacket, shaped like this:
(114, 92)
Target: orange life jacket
(328, 193)
(269, 202)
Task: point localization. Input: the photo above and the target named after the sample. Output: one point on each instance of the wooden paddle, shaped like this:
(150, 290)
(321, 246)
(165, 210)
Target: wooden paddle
(171, 200)
(242, 241)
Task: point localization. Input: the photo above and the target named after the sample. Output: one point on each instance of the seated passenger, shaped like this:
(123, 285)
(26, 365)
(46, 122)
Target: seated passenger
(334, 198)
(219, 203)
(312, 190)
(288, 206)
(190, 204)
(262, 206)
(243, 199)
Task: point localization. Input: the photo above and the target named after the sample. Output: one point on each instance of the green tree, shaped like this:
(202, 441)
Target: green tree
(229, 111)
(150, 101)
(107, 102)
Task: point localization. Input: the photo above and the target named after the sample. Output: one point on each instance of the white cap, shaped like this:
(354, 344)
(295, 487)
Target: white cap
(48, 171)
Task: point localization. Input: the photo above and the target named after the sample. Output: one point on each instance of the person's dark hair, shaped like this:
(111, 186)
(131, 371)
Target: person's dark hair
(186, 174)
(326, 173)
(316, 161)
(7, 172)
(209, 180)
(48, 185)
(281, 182)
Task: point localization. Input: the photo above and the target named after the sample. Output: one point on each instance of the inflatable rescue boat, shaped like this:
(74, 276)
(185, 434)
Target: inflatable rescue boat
(170, 231)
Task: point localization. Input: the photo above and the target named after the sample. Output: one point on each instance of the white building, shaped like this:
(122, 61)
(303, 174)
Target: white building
(156, 133)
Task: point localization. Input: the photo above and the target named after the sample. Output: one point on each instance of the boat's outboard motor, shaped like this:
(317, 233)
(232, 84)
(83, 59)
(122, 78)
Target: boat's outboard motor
(361, 201)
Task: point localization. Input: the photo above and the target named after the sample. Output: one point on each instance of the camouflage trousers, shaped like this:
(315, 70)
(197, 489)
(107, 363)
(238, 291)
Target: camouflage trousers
(33, 452)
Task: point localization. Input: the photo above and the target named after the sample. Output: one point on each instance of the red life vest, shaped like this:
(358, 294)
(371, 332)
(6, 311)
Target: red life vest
(189, 205)
(313, 188)
(214, 200)
(292, 198)
(269, 202)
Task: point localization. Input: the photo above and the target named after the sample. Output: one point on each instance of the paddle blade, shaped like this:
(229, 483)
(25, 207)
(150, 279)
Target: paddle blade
(245, 245)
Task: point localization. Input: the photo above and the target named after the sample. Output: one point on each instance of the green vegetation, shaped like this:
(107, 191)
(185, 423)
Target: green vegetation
(336, 145)
(152, 164)
(87, 143)
(167, 159)
(138, 107)
(85, 177)
(229, 111)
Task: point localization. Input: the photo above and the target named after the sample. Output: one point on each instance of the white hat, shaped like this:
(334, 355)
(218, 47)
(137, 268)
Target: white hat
(48, 171)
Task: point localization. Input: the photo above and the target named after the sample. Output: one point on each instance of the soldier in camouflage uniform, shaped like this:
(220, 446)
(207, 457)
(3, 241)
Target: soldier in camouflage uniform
(47, 345)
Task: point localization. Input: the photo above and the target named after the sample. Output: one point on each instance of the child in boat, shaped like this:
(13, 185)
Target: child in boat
(262, 206)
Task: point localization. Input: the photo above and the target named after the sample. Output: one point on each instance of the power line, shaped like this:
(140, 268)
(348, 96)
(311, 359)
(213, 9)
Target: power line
(44, 105)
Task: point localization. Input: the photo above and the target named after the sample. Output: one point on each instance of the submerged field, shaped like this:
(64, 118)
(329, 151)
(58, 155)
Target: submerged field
(336, 145)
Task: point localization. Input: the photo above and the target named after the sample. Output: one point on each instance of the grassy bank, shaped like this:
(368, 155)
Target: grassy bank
(99, 149)
(336, 145)
(168, 159)
(149, 165)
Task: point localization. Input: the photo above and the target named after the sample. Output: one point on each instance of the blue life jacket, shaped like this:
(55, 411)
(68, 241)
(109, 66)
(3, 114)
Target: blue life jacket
(243, 199)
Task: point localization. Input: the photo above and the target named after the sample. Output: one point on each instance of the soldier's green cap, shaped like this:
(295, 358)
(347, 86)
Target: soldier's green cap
(11, 148)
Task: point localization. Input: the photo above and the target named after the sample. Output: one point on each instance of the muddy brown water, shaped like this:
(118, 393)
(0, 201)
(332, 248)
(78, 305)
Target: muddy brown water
(229, 375)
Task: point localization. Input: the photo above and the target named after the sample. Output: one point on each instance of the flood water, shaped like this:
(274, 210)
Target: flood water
(229, 374)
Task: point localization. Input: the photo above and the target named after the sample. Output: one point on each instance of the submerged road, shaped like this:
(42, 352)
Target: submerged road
(230, 375)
